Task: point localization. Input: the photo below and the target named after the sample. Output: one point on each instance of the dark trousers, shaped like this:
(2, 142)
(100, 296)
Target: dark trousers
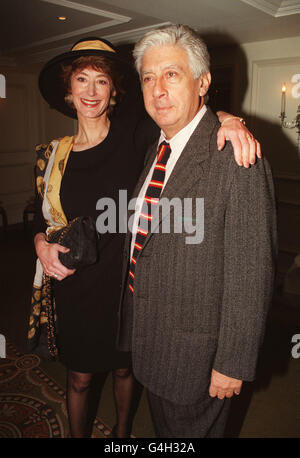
(205, 418)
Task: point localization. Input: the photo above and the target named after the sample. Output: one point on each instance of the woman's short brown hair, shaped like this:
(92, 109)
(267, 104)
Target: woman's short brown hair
(97, 63)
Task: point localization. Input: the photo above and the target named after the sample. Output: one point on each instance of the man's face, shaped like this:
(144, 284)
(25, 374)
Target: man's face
(171, 94)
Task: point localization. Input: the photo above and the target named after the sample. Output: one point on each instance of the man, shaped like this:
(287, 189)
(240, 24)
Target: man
(194, 310)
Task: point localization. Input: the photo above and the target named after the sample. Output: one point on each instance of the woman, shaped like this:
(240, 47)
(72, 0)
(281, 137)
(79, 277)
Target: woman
(104, 156)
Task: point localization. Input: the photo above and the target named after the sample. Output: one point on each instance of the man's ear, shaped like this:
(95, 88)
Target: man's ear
(204, 83)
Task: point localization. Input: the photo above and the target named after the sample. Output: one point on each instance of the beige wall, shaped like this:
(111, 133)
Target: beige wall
(258, 71)
(25, 120)
(269, 64)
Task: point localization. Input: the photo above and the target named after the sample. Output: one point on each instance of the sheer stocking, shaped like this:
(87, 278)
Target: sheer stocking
(127, 393)
(78, 385)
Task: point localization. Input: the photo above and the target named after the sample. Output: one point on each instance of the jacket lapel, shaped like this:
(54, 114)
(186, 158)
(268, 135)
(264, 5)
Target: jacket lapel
(186, 172)
(188, 168)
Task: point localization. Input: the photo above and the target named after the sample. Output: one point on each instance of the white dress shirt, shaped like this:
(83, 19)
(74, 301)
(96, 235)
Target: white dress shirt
(177, 144)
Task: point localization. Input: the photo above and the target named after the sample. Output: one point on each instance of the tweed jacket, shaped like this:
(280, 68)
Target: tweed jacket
(199, 306)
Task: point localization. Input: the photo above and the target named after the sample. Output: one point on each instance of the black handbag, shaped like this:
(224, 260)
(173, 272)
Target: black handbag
(81, 236)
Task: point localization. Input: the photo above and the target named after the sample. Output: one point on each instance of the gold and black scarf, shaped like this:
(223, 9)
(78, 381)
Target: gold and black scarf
(50, 167)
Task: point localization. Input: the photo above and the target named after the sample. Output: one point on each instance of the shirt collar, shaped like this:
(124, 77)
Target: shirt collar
(184, 134)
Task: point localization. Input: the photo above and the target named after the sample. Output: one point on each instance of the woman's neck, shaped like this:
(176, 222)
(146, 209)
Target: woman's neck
(91, 132)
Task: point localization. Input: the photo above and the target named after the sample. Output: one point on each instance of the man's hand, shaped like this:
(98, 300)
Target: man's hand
(223, 386)
(245, 146)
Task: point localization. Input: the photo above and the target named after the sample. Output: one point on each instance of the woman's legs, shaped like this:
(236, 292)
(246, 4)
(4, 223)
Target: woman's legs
(127, 393)
(78, 385)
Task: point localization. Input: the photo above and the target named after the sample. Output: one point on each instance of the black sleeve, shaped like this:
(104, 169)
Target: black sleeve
(147, 132)
(131, 111)
(39, 224)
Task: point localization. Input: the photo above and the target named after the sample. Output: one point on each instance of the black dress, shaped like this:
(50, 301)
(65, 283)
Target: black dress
(87, 302)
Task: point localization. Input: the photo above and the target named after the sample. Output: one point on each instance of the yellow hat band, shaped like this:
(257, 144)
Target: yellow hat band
(90, 45)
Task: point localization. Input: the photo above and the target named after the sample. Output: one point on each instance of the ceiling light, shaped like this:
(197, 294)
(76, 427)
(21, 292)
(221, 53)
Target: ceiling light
(61, 18)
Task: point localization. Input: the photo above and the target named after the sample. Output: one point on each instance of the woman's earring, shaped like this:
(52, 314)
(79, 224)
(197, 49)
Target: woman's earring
(112, 101)
(69, 99)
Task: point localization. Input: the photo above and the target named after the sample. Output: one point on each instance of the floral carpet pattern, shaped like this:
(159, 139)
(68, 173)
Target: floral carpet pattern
(32, 405)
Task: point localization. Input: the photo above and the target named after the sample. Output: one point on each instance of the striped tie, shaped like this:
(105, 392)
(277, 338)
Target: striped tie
(151, 199)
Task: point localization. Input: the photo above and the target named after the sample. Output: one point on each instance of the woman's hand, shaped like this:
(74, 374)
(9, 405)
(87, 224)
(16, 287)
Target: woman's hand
(48, 255)
(245, 146)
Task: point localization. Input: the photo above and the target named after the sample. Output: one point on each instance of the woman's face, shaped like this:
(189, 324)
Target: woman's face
(91, 90)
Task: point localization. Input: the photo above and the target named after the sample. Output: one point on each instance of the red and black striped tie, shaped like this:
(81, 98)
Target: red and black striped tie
(151, 200)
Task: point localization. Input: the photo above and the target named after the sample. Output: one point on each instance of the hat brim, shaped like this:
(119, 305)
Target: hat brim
(51, 84)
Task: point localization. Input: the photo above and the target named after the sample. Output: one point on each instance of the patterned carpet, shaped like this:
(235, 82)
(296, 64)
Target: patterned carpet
(32, 405)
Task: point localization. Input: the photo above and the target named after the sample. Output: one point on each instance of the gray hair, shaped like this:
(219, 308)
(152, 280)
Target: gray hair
(180, 35)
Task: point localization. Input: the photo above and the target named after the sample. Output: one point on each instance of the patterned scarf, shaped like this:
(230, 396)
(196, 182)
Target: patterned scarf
(50, 167)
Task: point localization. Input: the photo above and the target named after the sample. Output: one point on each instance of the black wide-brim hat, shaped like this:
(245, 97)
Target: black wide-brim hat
(51, 83)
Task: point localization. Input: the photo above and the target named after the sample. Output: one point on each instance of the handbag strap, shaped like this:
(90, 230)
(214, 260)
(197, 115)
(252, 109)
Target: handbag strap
(51, 317)
(63, 230)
